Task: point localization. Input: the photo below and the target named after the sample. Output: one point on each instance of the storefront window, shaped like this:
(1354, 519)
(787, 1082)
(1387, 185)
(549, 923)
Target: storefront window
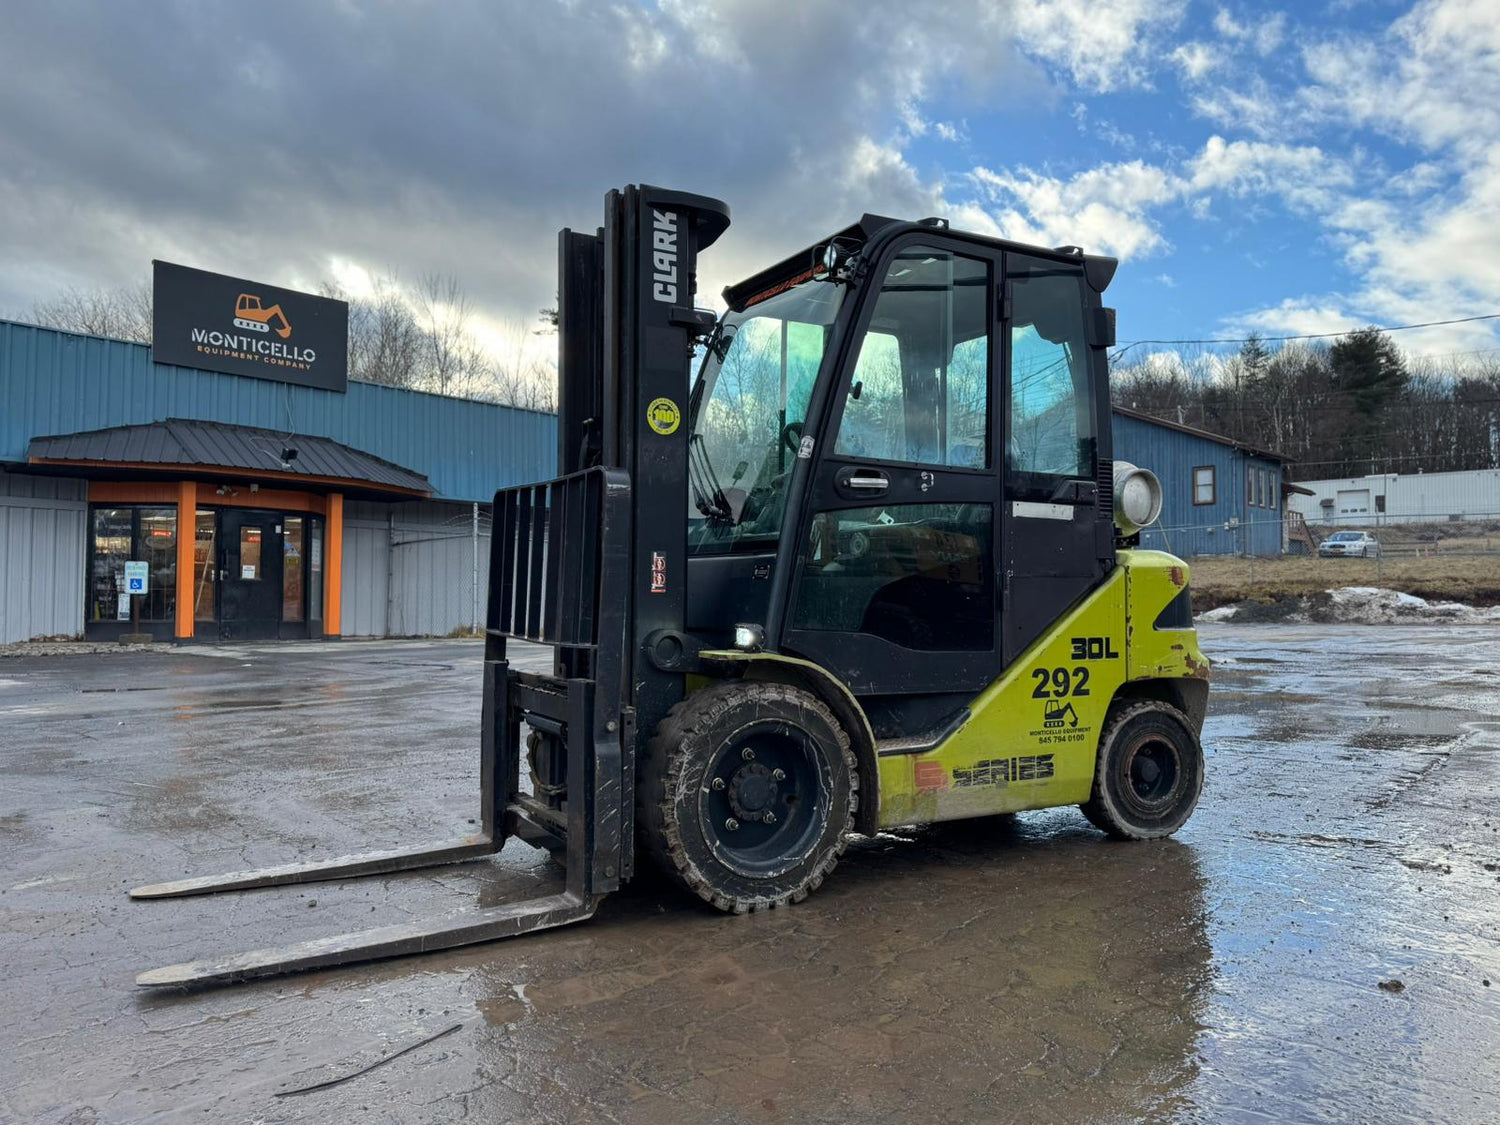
(124, 534)
(205, 567)
(291, 580)
(314, 569)
(156, 543)
(112, 542)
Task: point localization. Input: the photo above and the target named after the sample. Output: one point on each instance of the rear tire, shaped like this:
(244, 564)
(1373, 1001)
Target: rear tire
(747, 794)
(1149, 772)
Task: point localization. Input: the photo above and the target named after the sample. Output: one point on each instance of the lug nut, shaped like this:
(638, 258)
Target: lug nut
(732, 824)
(718, 783)
(748, 754)
(770, 817)
(778, 775)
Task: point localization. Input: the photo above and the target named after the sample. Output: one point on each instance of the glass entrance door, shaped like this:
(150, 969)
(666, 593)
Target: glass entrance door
(250, 575)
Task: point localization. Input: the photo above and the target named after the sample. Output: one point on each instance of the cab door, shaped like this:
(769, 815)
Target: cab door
(896, 589)
(1056, 523)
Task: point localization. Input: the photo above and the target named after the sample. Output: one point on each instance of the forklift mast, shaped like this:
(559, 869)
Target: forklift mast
(627, 327)
(593, 563)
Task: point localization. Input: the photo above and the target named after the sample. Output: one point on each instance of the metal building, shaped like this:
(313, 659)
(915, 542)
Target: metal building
(260, 508)
(1219, 496)
(1382, 498)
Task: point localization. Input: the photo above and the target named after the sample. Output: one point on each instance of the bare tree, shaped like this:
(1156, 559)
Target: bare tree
(449, 351)
(123, 313)
(385, 341)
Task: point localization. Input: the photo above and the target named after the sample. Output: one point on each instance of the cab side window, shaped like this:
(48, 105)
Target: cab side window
(1052, 431)
(920, 388)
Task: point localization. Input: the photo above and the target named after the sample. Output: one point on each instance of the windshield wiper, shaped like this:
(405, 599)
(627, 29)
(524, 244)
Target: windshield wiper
(711, 500)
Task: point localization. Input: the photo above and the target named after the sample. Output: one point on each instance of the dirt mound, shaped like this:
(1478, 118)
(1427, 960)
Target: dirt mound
(1353, 605)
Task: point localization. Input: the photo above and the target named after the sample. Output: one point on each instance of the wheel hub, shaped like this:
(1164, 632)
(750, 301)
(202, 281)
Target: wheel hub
(752, 789)
(1152, 773)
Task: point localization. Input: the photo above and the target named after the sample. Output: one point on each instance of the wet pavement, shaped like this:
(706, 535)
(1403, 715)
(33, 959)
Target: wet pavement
(1021, 970)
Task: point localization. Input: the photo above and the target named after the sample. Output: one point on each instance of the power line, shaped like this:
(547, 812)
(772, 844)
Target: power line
(1310, 335)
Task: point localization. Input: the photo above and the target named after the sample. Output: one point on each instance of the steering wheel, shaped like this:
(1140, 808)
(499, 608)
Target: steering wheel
(791, 435)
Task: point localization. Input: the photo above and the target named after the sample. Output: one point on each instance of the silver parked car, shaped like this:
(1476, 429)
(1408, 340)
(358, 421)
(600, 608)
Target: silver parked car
(1349, 544)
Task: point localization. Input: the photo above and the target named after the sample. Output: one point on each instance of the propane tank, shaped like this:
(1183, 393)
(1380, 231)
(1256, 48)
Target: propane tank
(1137, 497)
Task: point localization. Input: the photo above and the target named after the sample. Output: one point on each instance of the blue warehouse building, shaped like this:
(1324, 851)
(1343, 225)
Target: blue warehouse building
(1219, 496)
(263, 509)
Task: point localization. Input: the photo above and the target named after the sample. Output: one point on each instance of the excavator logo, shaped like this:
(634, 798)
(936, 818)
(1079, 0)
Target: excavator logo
(1056, 713)
(249, 315)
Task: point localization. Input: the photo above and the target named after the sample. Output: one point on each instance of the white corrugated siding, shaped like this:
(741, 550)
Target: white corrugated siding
(409, 569)
(1409, 498)
(42, 548)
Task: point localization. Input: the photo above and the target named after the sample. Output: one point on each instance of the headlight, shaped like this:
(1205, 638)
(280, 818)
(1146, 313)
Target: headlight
(749, 637)
(1137, 497)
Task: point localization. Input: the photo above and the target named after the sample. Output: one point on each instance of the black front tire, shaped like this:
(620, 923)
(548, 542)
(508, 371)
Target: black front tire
(1149, 773)
(747, 795)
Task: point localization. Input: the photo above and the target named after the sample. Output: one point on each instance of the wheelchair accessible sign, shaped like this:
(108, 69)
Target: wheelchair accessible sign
(137, 580)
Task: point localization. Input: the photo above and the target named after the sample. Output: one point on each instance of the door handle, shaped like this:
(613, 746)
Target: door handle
(864, 480)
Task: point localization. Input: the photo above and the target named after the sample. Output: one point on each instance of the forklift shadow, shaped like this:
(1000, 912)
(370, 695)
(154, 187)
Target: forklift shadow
(1012, 860)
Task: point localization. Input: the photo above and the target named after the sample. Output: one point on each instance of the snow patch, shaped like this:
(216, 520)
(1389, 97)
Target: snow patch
(1355, 605)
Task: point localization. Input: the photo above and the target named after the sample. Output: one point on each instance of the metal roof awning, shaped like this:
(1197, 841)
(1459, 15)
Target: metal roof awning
(184, 447)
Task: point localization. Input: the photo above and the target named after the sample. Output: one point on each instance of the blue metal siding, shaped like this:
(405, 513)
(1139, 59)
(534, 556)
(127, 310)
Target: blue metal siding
(57, 382)
(1201, 529)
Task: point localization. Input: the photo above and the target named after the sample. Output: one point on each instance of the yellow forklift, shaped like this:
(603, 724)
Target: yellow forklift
(874, 565)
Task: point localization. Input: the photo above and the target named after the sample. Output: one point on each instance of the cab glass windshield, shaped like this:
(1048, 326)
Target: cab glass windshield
(748, 407)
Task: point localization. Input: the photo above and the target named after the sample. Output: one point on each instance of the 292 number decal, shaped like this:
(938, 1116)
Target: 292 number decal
(1059, 683)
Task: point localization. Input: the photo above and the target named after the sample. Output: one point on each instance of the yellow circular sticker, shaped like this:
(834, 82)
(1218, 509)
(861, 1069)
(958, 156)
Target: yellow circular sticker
(663, 416)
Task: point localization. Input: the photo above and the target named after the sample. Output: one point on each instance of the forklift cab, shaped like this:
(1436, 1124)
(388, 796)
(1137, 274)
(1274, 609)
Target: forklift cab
(949, 508)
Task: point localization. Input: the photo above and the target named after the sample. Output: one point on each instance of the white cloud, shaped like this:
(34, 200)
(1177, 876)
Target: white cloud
(1105, 210)
(1269, 33)
(1246, 103)
(1263, 33)
(1114, 208)
(1103, 44)
(1424, 241)
(1297, 316)
(1433, 79)
(1196, 59)
(1226, 25)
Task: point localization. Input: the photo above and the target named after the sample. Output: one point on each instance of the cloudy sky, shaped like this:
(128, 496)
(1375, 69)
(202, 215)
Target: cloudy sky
(1290, 168)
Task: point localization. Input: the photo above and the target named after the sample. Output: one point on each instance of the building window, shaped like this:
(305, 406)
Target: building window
(1203, 485)
(291, 580)
(205, 566)
(315, 569)
(124, 534)
(1271, 489)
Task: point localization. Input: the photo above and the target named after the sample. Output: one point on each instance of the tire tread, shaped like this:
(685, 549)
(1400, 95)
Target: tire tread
(658, 832)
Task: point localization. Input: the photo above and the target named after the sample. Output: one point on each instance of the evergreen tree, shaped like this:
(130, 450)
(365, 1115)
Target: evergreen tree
(1368, 368)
